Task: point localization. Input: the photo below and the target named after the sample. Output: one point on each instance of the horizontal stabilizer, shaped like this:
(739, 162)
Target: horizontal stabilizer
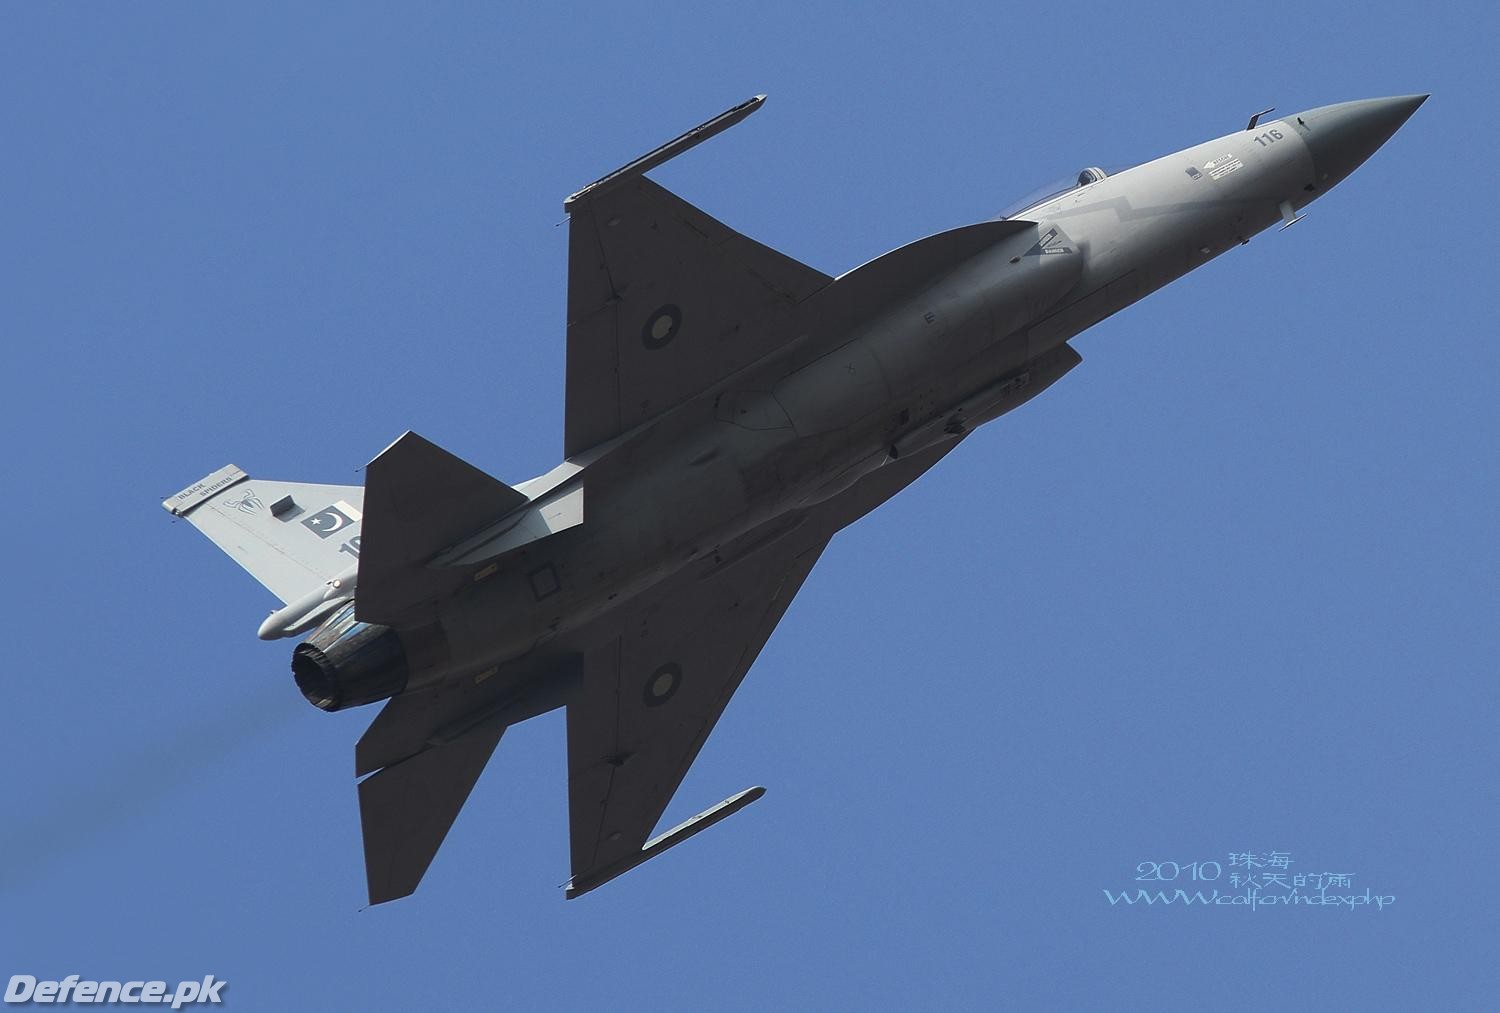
(294, 538)
(405, 810)
(436, 715)
(419, 500)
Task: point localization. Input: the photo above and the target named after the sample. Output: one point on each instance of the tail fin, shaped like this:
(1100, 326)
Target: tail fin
(291, 537)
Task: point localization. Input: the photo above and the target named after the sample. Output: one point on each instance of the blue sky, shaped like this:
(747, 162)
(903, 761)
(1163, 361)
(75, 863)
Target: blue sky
(1228, 587)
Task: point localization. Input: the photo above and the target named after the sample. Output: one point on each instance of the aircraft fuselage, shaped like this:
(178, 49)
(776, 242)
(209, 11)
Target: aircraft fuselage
(728, 411)
(850, 395)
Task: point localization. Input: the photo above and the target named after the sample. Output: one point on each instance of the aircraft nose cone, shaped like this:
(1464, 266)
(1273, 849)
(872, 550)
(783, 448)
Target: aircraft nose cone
(1340, 137)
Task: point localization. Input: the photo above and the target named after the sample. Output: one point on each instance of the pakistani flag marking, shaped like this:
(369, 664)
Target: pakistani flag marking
(332, 520)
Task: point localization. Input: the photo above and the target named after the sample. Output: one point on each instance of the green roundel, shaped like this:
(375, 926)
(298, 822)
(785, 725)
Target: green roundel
(661, 327)
(662, 684)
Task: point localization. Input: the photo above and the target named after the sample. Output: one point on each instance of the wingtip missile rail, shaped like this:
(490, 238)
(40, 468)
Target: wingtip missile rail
(580, 885)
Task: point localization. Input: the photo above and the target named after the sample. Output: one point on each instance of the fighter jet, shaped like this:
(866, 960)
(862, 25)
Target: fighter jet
(728, 411)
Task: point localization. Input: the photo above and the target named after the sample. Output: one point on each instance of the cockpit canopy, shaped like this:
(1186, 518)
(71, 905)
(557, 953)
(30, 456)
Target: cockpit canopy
(1056, 188)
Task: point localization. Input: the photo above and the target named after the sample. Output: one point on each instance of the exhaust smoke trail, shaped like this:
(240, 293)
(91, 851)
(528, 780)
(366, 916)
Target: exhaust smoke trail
(83, 815)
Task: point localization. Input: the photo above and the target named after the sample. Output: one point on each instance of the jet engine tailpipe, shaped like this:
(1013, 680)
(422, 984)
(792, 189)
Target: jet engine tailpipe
(347, 663)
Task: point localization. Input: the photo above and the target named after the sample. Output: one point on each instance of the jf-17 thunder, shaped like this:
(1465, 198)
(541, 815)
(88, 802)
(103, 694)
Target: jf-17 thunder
(728, 410)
